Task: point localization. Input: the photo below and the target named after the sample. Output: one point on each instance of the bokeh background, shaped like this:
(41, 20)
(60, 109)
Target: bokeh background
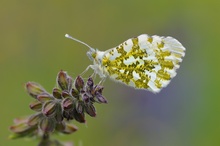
(33, 48)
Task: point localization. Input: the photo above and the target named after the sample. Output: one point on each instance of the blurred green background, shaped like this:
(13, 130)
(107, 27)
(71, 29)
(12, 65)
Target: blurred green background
(33, 48)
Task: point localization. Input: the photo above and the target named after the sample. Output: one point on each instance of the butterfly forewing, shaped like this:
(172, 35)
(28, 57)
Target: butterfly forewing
(144, 62)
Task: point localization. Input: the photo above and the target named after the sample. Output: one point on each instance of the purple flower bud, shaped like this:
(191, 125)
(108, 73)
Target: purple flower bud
(64, 81)
(98, 89)
(80, 117)
(79, 83)
(79, 107)
(36, 105)
(69, 115)
(90, 83)
(100, 98)
(70, 83)
(44, 97)
(66, 115)
(75, 93)
(57, 93)
(65, 94)
(20, 128)
(67, 104)
(47, 125)
(69, 128)
(20, 120)
(34, 119)
(34, 89)
(58, 115)
(90, 110)
(49, 108)
(85, 98)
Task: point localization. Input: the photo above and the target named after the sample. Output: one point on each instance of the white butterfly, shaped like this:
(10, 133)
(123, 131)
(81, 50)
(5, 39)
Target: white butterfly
(143, 62)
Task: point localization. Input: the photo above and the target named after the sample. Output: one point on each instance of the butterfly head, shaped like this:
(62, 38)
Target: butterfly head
(93, 54)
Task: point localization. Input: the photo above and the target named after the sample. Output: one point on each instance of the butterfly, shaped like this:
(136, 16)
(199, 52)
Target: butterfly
(143, 62)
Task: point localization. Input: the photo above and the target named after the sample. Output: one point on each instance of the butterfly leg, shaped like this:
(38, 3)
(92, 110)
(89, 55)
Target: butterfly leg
(90, 66)
(102, 81)
(93, 74)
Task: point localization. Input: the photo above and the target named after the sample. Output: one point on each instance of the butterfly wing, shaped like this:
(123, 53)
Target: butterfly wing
(144, 62)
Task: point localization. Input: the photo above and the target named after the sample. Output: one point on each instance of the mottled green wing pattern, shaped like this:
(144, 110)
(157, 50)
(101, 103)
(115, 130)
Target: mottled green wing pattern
(145, 62)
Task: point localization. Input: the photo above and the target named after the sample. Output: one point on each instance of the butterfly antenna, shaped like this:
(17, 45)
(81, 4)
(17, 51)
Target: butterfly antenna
(81, 42)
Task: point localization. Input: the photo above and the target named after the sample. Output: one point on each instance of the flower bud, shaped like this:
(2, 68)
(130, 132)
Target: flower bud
(64, 81)
(80, 117)
(75, 93)
(19, 128)
(79, 83)
(34, 119)
(70, 83)
(34, 89)
(90, 110)
(47, 125)
(68, 115)
(36, 106)
(100, 98)
(44, 97)
(49, 108)
(85, 98)
(79, 107)
(57, 93)
(22, 130)
(67, 104)
(58, 115)
(65, 94)
(90, 83)
(61, 126)
(69, 128)
(20, 120)
(98, 89)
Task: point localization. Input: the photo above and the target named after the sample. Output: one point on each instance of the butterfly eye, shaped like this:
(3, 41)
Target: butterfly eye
(89, 54)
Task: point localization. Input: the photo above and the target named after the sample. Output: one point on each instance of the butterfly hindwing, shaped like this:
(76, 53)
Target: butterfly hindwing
(144, 62)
